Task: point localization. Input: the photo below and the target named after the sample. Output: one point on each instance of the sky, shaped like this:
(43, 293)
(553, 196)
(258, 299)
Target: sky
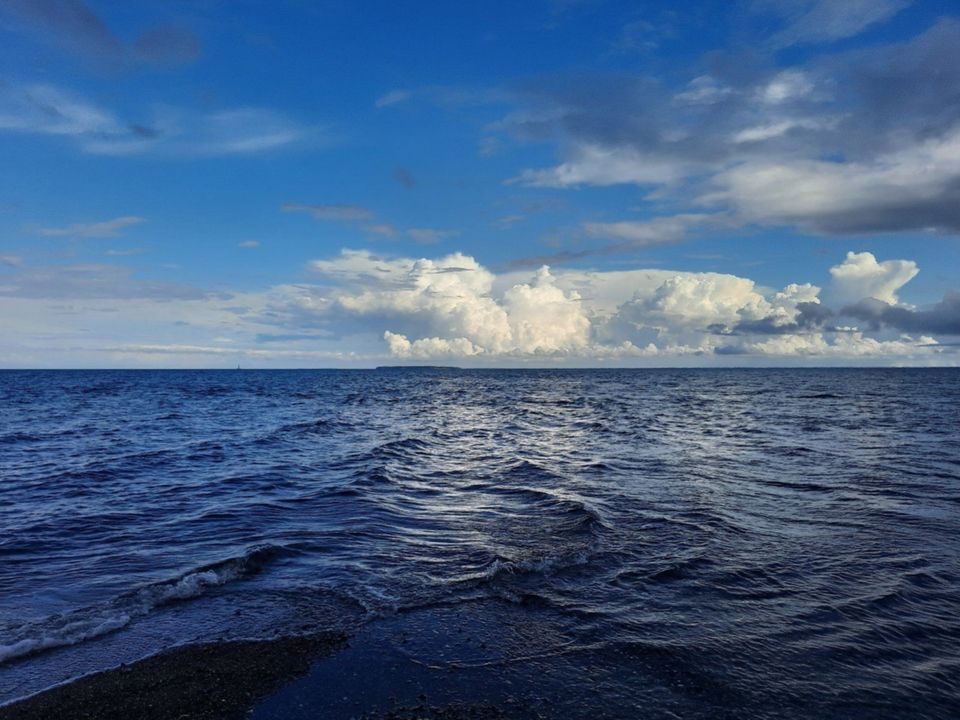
(549, 183)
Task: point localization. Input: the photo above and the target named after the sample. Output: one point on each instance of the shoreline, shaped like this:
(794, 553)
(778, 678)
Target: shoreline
(479, 660)
(435, 663)
(206, 681)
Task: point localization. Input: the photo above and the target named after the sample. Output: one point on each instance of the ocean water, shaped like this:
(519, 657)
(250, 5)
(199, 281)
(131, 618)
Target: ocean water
(761, 543)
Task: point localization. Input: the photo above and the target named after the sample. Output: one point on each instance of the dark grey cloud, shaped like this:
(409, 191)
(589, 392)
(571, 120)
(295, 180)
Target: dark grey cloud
(889, 93)
(404, 177)
(74, 26)
(72, 23)
(868, 136)
(811, 316)
(941, 318)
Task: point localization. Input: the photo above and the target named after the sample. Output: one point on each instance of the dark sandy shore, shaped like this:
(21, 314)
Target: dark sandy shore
(221, 681)
(196, 682)
(481, 660)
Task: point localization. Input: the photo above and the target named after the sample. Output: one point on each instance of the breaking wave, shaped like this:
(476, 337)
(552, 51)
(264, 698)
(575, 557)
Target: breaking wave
(92, 622)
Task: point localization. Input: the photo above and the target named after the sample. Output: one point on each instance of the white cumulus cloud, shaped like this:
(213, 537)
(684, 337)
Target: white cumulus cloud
(861, 276)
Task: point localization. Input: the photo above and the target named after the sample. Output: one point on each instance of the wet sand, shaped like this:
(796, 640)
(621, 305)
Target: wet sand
(216, 681)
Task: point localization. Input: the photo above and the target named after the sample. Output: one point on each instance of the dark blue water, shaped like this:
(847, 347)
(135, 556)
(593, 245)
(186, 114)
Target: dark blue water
(769, 542)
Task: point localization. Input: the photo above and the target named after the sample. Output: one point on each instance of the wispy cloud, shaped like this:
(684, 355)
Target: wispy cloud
(356, 213)
(126, 252)
(90, 281)
(562, 257)
(249, 244)
(335, 211)
(647, 233)
(505, 222)
(429, 236)
(821, 21)
(394, 97)
(103, 229)
(628, 235)
(47, 110)
(382, 229)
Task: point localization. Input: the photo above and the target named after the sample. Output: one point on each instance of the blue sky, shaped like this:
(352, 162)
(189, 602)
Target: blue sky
(351, 183)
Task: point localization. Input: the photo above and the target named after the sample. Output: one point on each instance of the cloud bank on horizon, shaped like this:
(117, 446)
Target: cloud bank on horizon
(761, 182)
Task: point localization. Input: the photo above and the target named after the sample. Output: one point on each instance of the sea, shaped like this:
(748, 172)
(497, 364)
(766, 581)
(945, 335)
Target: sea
(578, 543)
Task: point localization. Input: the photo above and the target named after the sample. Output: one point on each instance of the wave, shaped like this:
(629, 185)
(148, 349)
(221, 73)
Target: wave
(87, 623)
(547, 565)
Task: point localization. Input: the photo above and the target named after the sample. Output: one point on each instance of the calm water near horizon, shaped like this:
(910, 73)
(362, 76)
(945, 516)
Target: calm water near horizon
(758, 542)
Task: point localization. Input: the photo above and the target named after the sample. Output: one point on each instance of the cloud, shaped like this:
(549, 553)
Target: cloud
(404, 177)
(167, 45)
(126, 252)
(940, 318)
(394, 97)
(450, 299)
(47, 110)
(910, 189)
(74, 26)
(849, 346)
(382, 229)
(822, 21)
(359, 307)
(565, 256)
(429, 348)
(451, 307)
(630, 234)
(861, 276)
(786, 86)
(11, 260)
(596, 165)
(340, 212)
(244, 131)
(430, 236)
(253, 354)
(103, 229)
(810, 315)
(505, 222)
(90, 281)
(859, 141)
(698, 301)
(72, 22)
(647, 233)
(354, 213)
(249, 244)
(544, 318)
(44, 109)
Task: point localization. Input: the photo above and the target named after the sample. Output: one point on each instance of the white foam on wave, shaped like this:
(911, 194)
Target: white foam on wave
(71, 633)
(545, 564)
(88, 623)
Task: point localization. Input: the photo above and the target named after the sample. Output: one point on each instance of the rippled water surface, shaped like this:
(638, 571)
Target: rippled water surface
(770, 539)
